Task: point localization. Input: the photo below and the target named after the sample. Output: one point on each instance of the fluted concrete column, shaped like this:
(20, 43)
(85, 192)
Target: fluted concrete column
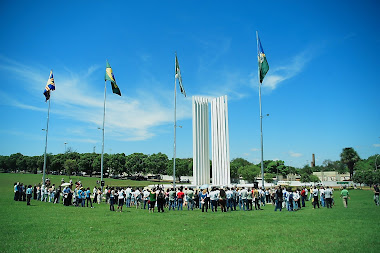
(201, 159)
(220, 142)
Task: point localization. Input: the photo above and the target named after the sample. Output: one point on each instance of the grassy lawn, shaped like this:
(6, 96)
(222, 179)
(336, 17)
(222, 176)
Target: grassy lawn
(47, 227)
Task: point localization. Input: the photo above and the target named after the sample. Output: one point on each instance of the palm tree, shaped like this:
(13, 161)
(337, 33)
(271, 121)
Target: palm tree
(349, 157)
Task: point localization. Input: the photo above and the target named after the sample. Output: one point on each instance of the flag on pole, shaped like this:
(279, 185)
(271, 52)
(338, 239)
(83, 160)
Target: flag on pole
(110, 77)
(263, 63)
(49, 86)
(178, 75)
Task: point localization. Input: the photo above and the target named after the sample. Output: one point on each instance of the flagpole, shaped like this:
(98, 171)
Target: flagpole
(261, 119)
(175, 119)
(104, 117)
(46, 130)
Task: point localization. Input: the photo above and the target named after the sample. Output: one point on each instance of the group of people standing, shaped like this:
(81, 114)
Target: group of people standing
(227, 199)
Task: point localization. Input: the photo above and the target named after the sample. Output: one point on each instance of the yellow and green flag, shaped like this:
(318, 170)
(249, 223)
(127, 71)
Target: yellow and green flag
(110, 77)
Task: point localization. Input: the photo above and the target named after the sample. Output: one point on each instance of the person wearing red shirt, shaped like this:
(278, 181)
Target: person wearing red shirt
(303, 197)
(180, 196)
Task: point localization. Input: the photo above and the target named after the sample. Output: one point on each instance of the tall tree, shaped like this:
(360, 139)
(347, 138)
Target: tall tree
(157, 163)
(250, 172)
(349, 157)
(183, 167)
(135, 163)
(236, 164)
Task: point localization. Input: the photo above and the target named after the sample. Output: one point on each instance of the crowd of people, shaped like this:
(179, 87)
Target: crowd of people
(226, 199)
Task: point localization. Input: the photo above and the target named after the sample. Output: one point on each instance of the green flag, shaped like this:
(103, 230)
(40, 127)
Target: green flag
(110, 77)
(263, 63)
(178, 75)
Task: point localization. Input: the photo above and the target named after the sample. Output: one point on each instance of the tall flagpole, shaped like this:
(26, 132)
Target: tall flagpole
(46, 130)
(261, 119)
(104, 117)
(175, 118)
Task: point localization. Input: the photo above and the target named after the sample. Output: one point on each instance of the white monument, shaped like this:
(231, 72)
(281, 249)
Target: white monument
(220, 141)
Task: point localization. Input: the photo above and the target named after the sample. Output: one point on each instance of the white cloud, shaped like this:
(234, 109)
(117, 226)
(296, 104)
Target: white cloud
(376, 145)
(278, 74)
(75, 99)
(293, 154)
(255, 149)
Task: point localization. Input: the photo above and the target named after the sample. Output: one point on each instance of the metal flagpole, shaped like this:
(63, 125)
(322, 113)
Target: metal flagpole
(46, 130)
(175, 117)
(261, 118)
(104, 117)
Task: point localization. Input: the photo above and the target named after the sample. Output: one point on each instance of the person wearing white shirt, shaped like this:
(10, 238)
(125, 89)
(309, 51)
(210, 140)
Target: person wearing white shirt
(214, 199)
(146, 197)
(121, 196)
(230, 196)
(328, 197)
(244, 195)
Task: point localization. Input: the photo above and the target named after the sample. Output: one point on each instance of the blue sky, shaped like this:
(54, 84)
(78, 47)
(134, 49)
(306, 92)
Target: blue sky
(322, 89)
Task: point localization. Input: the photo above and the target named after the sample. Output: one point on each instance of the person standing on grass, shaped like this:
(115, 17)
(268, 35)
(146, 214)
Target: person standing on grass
(79, 197)
(279, 196)
(256, 196)
(230, 201)
(29, 192)
(180, 196)
(223, 200)
(345, 196)
(15, 191)
(160, 200)
(146, 194)
(57, 195)
(250, 199)
(190, 200)
(303, 196)
(95, 194)
(315, 197)
(83, 196)
(214, 199)
(88, 197)
(152, 200)
(244, 195)
(120, 198)
(328, 197)
(138, 198)
(204, 202)
(172, 194)
(112, 199)
(376, 196)
(35, 192)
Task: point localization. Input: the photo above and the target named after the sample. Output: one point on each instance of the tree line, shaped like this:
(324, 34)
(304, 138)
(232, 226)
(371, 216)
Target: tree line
(361, 170)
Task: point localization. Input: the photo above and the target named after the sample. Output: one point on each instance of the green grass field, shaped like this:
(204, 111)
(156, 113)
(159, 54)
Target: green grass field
(47, 227)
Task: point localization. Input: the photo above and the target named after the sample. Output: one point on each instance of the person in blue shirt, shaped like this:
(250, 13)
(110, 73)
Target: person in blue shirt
(83, 196)
(29, 192)
(88, 197)
(79, 196)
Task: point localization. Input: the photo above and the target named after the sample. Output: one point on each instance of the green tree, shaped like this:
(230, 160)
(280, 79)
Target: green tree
(314, 179)
(359, 177)
(70, 166)
(349, 157)
(57, 162)
(249, 172)
(157, 163)
(183, 167)
(135, 163)
(268, 177)
(236, 164)
(277, 167)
